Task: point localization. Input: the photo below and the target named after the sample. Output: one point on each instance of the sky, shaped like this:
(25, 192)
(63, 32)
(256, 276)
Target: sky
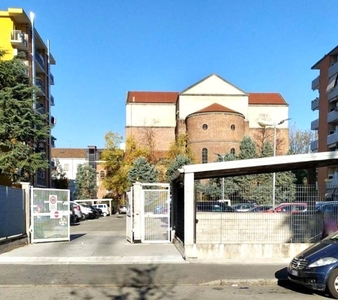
(105, 48)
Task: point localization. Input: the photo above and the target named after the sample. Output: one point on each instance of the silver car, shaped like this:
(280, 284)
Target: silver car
(77, 211)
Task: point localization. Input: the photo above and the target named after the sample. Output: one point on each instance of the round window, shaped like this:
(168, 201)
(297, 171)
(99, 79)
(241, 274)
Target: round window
(232, 127)
(205, 126)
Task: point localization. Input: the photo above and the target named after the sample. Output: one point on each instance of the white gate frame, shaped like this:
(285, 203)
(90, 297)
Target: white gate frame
(144, 214)
(53, 217)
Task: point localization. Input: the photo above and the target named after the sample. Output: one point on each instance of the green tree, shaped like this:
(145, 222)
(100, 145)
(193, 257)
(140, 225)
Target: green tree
(142, 171)
(246, 183)
(21, 127)
(85, 182)
(178, 162)
(59, 178)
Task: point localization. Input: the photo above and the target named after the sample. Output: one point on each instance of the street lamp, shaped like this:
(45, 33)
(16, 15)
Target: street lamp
(222, 156)
(274, 125)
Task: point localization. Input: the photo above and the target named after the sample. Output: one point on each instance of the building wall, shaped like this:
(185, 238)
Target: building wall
(224, 131)
(16, 19)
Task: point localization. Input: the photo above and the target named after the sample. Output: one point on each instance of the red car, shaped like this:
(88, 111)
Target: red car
(289, 208)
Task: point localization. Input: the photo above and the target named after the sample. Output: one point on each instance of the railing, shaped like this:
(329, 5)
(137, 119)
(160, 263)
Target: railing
(51, 78)
(40, 84)
(18, 36)
(39, 58)
(315, 83)
(315, 104)
(52, 103)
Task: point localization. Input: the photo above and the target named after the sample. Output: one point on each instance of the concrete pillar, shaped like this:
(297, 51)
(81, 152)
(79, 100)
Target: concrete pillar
(189, 216)
(26, 187)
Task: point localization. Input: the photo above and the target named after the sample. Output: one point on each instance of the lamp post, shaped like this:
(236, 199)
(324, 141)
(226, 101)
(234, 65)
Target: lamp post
(274, 125)
(222, 156)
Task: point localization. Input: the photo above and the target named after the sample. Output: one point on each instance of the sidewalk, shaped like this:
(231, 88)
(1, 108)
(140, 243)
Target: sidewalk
(96, 242)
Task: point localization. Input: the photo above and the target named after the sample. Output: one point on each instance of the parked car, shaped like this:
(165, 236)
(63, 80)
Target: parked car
(213, 206)
(241, 207)
(289, 208)
(77, 211)
(123, 209)
(86, 211)
(104, 208)
(317, 266)
(260, 208)
(97, 212)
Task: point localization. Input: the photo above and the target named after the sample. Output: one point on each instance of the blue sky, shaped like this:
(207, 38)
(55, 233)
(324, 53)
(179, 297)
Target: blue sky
(105, 48)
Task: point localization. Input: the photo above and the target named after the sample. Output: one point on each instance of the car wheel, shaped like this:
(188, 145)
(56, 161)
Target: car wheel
(332, 283)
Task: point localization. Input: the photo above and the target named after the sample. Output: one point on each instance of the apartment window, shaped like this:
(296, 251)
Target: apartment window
(332, 83)
(232, 151)
(233, 127)
(204, 155)
(102, 174)
(66, 167)
(204, 126)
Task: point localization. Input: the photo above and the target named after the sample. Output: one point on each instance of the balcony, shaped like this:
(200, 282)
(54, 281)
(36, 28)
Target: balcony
(51, 79)
(332, 138)
(315, 83)
(40, 84)
(40, 66)
(53, 139)
(333, 70)
(40, 108)
(18, 40)
(52, 121)
(314, 146)
(52, 103)
(332, 116)
(315, 104)
(332, 95)
(315, 124)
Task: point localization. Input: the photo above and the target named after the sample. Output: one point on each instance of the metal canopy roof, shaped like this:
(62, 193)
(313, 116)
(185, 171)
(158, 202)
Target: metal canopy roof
(260, 165)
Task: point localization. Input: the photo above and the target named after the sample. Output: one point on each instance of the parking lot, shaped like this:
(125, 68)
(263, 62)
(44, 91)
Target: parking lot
(94, 241)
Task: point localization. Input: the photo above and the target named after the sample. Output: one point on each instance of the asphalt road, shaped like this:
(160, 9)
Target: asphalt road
(144, 281)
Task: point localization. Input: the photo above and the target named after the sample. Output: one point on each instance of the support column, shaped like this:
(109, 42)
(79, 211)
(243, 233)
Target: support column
(26, 187)
(189, 217)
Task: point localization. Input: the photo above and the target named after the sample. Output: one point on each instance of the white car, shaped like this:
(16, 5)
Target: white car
(104, 208)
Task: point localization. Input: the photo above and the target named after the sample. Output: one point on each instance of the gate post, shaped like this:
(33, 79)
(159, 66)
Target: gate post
(26, 187)
(137, 211)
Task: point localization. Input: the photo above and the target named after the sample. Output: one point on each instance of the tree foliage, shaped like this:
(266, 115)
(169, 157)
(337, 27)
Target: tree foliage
(116, 166)
(60, 181)
(178, 162)
(142, 171)
(21, 127)
(85, 182)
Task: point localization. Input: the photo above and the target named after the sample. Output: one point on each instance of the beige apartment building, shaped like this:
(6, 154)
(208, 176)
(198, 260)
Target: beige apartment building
(213, 113)
(19, 38)
(326, 125)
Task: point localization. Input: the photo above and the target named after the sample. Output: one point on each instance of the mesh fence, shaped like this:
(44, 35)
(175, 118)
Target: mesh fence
(246, 215)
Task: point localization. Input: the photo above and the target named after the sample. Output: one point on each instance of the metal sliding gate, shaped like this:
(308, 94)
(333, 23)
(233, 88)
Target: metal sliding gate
(155, 220)
(50, 215)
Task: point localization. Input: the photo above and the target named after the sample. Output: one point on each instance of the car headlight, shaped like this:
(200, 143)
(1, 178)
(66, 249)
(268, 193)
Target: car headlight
(323, 262)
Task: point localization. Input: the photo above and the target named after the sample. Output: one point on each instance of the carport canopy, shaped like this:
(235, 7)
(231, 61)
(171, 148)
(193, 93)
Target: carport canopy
(259, 165)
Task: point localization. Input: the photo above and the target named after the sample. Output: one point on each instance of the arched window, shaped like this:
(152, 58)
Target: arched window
(232, 151)
(102, 174)
(233, 127)
(205, 126)
(204, 155)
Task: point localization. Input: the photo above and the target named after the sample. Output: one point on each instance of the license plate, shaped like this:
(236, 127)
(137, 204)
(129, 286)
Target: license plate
(294, 272)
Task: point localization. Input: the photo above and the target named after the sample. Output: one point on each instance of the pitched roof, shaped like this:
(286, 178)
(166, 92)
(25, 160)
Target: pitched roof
(215, 107)
(152, 97)
(266, 98)
(69, 152)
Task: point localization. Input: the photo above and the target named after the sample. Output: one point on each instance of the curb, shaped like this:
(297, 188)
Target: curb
(238, 282)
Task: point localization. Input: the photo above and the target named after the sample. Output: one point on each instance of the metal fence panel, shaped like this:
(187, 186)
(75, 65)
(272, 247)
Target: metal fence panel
(156, 214)
(50, 215)
(215, 224)
(12, 212)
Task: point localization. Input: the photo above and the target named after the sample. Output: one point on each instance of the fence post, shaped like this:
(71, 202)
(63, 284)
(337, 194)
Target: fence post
(26, 187)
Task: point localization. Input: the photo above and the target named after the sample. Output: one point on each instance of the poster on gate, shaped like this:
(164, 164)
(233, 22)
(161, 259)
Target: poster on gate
(53, 200)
